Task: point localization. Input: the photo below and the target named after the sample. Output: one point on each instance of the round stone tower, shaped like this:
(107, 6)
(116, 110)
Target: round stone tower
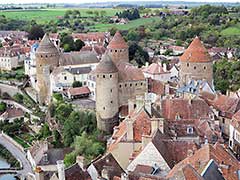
(118, 49)
(196, 64)
(106, 74)
(47, 58)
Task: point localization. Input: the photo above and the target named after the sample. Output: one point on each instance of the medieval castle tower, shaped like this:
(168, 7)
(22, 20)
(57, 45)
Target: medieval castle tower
(47, 58)
(117, 81)
(196, 64)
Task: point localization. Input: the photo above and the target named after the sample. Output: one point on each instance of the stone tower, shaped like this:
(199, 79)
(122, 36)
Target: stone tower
(196, 64)
(106, 74)
(118, 49)
(47, 58)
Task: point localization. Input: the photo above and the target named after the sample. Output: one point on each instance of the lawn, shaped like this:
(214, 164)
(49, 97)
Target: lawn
(132, 24)
(231, 31)
(45, 15)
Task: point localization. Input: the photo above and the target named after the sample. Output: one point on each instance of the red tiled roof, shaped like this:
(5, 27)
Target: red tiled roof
(154, 68)
(196, 52)
(128, 72)
(191, 174)
(78, 91)
(202, 156)
(186, 109)
(156, 87)
(117, 42)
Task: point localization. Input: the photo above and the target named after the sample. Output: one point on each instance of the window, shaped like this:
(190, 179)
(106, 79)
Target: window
(194, 67)
(103, 76)
(111, 102)
(130, 85)
(120, 85)
(189, 130)
(223, 120)
(97, 76)
(187, 64)
(204, 67)
(115, 50)
(141, 84)
(125, 85)
(103, 108)
(65, 77)
(110, 90)
(136, 84)
(110, 76)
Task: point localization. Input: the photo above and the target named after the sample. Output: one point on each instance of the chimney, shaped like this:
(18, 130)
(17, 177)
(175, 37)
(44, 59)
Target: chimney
(139, 102)
(148, 104)
(39, 175)
(131, 104)
(167, 89)
(81, 162)
(105, 173)
(124, 176)
(145, 140)
(146, 64)
(164, 65)
(61, 171)
(129, 129)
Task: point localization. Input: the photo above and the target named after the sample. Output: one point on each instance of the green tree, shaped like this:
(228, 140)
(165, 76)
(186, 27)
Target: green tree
(70, 159)
(45, 131)
(77, 84)
(63, 111)
(18, 98)
(36, 32)
(3, 107)
(79, 44)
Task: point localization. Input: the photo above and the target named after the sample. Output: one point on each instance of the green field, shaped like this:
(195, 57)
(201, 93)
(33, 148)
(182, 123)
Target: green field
(132, 24)
(231, 31)
(45, 15)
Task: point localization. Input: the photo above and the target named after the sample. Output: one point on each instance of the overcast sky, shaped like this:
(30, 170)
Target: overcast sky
(87, 1)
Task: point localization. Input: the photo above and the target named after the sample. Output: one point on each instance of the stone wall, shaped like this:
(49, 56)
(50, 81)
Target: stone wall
(131, 89)
(196, 71)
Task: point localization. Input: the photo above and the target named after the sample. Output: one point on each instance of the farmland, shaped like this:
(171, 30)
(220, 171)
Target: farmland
(46, 15)
(231, 31)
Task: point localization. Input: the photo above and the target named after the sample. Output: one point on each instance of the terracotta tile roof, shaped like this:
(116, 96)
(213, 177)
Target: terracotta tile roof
(236, 120)
(196, 52)
(79, 91)
(184, 108)
(228, 106)
(228, 164)
(128, 72)
(191, 174)
(141, 125)
(143, 169)
(154, 69)
(117, 42)
(47, 46)
(92, 36)
(14, 112)
(156, 87)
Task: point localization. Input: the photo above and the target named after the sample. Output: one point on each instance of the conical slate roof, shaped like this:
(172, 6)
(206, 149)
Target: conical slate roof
(46, 46)
(106, 65)
(196, 52)
(117, 42)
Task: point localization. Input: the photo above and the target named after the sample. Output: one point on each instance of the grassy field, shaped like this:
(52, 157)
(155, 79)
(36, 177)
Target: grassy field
(131, 24)
(46, 15)
(231, 31)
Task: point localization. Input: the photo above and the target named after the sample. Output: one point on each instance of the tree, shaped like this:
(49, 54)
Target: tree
(18, 98)
(77, 84)
(70, 159)
(58, 97)
(103, 13)
(63, 111)
(68, 43)
(79, 44)
(3, 107)
(45, 131)
(137, 54)
(35, 33)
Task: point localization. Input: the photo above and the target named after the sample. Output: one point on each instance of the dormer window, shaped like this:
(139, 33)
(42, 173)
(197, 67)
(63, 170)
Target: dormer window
(177, 117)
(189, 130)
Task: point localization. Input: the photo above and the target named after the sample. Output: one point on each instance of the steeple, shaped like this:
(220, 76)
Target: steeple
(46, 45)
(117, 42)
(196, 52)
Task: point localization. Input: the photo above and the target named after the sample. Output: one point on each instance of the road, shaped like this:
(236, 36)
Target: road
(18, 154)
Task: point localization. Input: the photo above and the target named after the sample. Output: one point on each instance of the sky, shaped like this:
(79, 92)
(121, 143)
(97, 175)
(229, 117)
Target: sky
(88, 1)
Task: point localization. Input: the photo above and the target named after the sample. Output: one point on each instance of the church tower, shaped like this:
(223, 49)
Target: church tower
(196, 64)
(118, 49)
(47, 58)
(106, 74)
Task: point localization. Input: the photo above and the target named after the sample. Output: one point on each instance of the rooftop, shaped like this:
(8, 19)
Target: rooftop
(117, 42)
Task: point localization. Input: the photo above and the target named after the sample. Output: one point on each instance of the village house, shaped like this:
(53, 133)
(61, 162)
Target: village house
(157, 72)
(77, 92)
(234, 134)
(11, 58)
(194, 88)
(12, 113)
(92, 38)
